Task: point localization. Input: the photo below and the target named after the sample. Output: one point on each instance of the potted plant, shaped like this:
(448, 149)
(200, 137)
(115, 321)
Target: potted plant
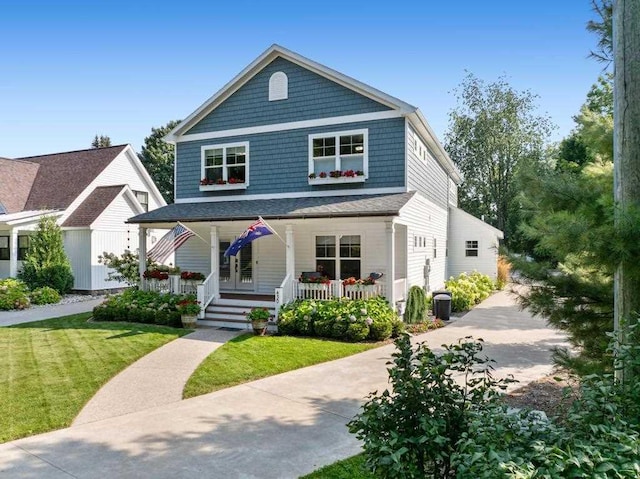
(189, 308)
(259, 318)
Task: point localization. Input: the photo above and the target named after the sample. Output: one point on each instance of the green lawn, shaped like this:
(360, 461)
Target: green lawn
(249, 357)
(50, 369)
(351, 468)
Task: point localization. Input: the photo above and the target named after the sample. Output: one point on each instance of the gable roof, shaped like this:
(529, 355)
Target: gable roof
(291, 208)
(478, 221)
(93, 206)
(16, 179)
(62, 177)
(411, 112)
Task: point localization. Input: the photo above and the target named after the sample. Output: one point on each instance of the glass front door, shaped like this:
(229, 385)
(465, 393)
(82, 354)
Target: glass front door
(236, 273)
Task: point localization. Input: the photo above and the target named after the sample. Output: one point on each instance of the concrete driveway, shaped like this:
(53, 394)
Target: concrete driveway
(279, 427)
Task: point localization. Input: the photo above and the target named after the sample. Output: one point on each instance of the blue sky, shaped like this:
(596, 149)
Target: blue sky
(72, 69)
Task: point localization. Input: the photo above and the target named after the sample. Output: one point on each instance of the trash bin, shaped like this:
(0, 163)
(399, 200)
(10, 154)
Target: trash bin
(440, 291)
(442, 306)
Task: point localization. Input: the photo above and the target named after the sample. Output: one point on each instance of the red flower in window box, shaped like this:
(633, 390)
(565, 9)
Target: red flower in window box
(335, 174)
(235, 181)
(349, 174)
(221, 182)
(323, 174)
(359, 173)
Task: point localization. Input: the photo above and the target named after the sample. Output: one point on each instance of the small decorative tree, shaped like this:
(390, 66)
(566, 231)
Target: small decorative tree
(416, 309)
(46, 263)
(125, 268)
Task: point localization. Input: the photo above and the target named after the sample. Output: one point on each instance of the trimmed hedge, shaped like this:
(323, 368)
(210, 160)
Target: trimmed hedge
(141, 307)
(467, 290)
(45, 295)
(351, 320)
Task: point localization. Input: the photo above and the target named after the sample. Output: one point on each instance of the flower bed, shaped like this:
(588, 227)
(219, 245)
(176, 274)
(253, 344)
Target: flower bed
(15, 294)
(352, 320)
(467, 290)
(142, 307)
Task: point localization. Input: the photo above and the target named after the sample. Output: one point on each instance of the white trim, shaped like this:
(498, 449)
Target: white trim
(331, 181)
(278, 86)
(225, 177)
(262, 61)
(142, 171)
(291, 125)
(337, 160)
(297, 194)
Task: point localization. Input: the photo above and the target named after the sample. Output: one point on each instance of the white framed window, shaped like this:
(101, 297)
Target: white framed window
(339, 256)
(339, 157)
(225, 167)
(278, 86)
(23, 246)
(471, 248)
(5, 251)
(143, 199)
(435, 248)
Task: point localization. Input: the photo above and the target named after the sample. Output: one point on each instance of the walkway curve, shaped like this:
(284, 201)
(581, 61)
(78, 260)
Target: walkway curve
(155, 379)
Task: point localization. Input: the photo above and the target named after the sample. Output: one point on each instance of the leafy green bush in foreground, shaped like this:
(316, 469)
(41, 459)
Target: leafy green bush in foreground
(141, 307)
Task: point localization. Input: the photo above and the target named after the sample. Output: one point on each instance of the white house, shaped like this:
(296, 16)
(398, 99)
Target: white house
(353, 180)
(90, 192)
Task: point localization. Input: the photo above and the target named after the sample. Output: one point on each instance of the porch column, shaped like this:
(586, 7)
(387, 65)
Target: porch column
(391, 262)
(215, 261)
(290, 254)
(13, 253)
(142, 253)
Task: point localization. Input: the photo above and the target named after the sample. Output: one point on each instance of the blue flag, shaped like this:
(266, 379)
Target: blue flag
(255, 231)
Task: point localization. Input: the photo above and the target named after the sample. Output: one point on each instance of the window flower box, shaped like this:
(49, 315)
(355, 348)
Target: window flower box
(337, 176)
(219, 185)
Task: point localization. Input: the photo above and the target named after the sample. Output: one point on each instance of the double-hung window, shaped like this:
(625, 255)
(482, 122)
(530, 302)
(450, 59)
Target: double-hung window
(338, 157)
(143, 199)
(471, 248)
(4, 248)
(339, 256)
(23, 247)
(225, 166)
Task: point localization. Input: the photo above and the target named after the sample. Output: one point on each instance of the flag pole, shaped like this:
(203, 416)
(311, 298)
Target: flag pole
(272, 230)
(185, 226)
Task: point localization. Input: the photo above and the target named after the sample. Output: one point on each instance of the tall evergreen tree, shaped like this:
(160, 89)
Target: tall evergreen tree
(102, 141)
(158, 157)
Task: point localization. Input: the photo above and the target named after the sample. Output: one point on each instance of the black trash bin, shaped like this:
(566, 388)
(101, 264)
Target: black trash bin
(442, 306)
(440, 291)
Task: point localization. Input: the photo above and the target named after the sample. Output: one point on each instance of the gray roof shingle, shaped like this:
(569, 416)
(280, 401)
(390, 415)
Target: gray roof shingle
(283, 208)
(93, 206)
(16, 179)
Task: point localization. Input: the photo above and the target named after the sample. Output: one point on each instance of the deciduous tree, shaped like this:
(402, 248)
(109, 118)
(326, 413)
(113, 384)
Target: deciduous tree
(158, 157)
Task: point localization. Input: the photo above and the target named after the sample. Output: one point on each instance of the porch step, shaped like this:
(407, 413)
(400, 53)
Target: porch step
(231, 313)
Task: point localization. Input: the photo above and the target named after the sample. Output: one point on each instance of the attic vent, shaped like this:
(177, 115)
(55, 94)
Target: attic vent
(278, 86)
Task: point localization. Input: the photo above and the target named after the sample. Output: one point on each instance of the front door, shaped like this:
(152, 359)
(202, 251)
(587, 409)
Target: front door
(236, 272)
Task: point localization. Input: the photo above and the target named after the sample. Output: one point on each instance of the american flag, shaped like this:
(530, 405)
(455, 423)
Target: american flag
(170, 242)
(256, 230)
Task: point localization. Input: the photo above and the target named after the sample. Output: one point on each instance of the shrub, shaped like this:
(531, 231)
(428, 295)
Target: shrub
(14, 294)
(504, 272)
(141, 307)
(46, 263)
(124, 268)
(469, 290)
(45, 295)
(416, 309)
(353, 320)
(412, 429)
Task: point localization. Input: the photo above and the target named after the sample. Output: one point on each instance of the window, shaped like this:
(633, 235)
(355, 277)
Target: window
(471, 248)
(278, 86)
(339, 256)
(225, 166)
(4, 248)
(338, 157)
(435, 248)
(143, 199)
(23, 247)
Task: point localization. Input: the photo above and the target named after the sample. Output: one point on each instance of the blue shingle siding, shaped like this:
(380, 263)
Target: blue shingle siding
(310, 96)
(279, 161)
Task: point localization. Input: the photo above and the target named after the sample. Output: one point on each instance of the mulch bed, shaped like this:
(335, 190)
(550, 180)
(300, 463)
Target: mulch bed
(552, 394)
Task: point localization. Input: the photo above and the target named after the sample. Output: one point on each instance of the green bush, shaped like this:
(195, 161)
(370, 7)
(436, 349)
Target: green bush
(469, 290)
(412, 429)
(353, 320)
(416, 308)
(45, 295)
(14, 294)
(141, 307)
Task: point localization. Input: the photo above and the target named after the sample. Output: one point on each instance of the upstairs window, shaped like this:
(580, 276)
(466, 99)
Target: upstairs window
(278, 86)
(471, 248)
(338, 157)
(143, 199)
(225, 166)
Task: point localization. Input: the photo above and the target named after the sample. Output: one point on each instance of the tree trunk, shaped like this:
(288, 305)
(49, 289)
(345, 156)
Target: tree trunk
(626, 146)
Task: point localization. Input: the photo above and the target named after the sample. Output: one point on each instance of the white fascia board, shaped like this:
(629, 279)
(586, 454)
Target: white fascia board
(33, 219)
(419, 122)
(292, 125)
(484, 224)
(297, 194)
(263, 60)
(139, 167)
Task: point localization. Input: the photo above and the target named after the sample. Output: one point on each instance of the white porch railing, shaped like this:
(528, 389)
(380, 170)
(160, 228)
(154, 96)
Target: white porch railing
(400, 289)
(336, 289)
(206, 292)
(284, 293)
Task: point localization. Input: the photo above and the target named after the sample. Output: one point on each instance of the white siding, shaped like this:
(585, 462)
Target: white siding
(424, 173)
(464, 227)
(425, 221)
(77, 244)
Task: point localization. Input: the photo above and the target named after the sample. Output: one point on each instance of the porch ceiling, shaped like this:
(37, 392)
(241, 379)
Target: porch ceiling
(283, 208)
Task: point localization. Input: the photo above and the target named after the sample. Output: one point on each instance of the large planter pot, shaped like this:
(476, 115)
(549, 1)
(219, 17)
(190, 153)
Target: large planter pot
(259, 327)
(189, 321)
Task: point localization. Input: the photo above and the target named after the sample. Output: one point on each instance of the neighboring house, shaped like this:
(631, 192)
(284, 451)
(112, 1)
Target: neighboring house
(353, 180)
(90, 192)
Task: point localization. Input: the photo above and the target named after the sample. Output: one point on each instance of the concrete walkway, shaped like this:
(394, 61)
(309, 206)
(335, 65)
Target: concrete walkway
(8, 318)
(278, 427)
(155, 379)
